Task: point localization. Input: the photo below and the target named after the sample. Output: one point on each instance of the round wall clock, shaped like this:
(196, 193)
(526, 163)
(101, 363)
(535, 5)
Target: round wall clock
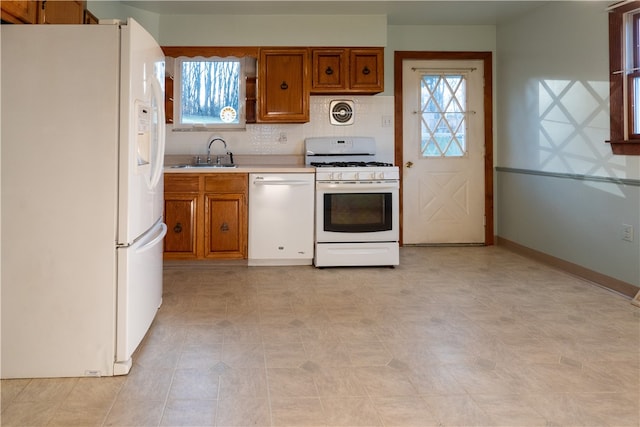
(228, 114)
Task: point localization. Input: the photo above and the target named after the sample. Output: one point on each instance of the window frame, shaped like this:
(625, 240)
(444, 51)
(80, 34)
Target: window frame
(177, 96)
(249, 52)
(624, 16)
(633, 77)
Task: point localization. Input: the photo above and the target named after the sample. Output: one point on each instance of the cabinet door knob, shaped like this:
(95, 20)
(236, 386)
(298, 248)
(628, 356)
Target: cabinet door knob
(224, 227)
(328, 71)
(177, 228)
(366, 70)
(284, 86)
(409, 164)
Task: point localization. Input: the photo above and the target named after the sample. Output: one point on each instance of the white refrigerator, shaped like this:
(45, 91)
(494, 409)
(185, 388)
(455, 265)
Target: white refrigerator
(82, 150)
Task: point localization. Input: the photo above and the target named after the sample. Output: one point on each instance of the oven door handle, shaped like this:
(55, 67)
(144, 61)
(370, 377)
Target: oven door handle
(362, 185)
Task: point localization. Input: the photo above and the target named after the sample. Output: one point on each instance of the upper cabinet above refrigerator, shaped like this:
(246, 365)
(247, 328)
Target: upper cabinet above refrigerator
(44, 12)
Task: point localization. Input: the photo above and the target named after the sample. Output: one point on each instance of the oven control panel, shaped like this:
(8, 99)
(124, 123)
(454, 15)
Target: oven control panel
(358, 174)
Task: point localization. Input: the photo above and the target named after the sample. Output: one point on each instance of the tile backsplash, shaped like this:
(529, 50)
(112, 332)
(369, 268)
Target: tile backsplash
(373, 117)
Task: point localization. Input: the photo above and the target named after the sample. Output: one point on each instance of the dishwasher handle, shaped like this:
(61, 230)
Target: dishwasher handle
(287, 182)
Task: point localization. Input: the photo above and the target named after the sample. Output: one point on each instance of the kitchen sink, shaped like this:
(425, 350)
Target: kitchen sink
(205, 165)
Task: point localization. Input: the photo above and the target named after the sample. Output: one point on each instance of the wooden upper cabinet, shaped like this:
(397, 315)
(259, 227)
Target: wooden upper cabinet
(168, 98)
(61, 12)
(329, 70)
(90, 18)
(366, 70)
(283, 85)
(347, 70)
(20, 11)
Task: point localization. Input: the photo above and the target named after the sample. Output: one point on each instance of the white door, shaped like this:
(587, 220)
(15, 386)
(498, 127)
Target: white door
(443, 151)
(142, 128)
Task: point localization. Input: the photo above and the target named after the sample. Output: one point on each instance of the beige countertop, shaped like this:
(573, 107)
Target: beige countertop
(244, 169)
(245, 164)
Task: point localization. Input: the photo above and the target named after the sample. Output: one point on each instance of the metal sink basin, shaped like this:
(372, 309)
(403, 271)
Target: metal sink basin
(205, 165)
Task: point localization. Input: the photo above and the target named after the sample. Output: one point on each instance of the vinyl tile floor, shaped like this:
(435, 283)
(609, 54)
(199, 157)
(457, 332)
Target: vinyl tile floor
(474, 336)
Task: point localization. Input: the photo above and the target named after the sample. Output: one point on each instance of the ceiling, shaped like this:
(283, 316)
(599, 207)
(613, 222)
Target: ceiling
(425, 12)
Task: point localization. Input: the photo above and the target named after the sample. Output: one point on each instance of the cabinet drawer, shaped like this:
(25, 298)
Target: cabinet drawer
(226, 183)
(181, 183)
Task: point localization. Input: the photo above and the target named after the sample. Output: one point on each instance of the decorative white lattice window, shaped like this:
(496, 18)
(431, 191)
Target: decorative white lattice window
(443, 110)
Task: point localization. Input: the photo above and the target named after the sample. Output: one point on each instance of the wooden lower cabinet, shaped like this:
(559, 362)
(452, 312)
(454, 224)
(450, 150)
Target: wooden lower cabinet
(206, 215)
(225, 226)
(180, 217)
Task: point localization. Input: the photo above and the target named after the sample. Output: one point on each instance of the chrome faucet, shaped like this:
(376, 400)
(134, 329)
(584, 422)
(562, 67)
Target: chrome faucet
(209, 149)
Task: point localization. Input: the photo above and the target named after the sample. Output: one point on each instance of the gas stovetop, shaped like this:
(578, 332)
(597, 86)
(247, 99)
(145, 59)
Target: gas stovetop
(347, 159)
(348, 164)
(342, 152)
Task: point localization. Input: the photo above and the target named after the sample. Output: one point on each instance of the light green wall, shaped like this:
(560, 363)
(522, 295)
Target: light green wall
(273, 30)
(560, 190)
(479, 38)
(554, 92)
(442, 37)
(251, 30)
(115, 10)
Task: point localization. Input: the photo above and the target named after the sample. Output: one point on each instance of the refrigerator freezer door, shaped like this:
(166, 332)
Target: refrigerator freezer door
(139, 293)
(141, 133)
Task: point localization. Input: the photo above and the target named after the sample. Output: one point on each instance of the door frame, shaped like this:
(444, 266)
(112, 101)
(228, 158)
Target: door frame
(487, 59)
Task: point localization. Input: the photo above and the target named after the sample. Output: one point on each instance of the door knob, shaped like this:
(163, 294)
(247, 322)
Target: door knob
(409, 164)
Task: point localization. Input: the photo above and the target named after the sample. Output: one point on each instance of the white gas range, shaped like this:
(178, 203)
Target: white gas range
(357, 203)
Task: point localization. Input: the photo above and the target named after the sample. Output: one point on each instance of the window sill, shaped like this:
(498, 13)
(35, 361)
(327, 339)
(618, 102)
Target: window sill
(625, 148)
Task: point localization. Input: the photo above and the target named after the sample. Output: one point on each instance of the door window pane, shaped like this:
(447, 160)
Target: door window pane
(443, 101)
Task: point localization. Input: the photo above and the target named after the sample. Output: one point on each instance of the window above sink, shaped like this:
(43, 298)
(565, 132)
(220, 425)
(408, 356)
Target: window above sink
(210, 88)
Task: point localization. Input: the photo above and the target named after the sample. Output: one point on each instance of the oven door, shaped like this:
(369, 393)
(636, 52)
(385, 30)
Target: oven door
(357, 211)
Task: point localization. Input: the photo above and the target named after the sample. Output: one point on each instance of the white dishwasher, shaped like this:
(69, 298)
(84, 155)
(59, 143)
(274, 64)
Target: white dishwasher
(281, 218)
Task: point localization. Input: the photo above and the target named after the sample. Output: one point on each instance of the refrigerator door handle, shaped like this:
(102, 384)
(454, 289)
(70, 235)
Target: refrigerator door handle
(160, 131)
(150, 244)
